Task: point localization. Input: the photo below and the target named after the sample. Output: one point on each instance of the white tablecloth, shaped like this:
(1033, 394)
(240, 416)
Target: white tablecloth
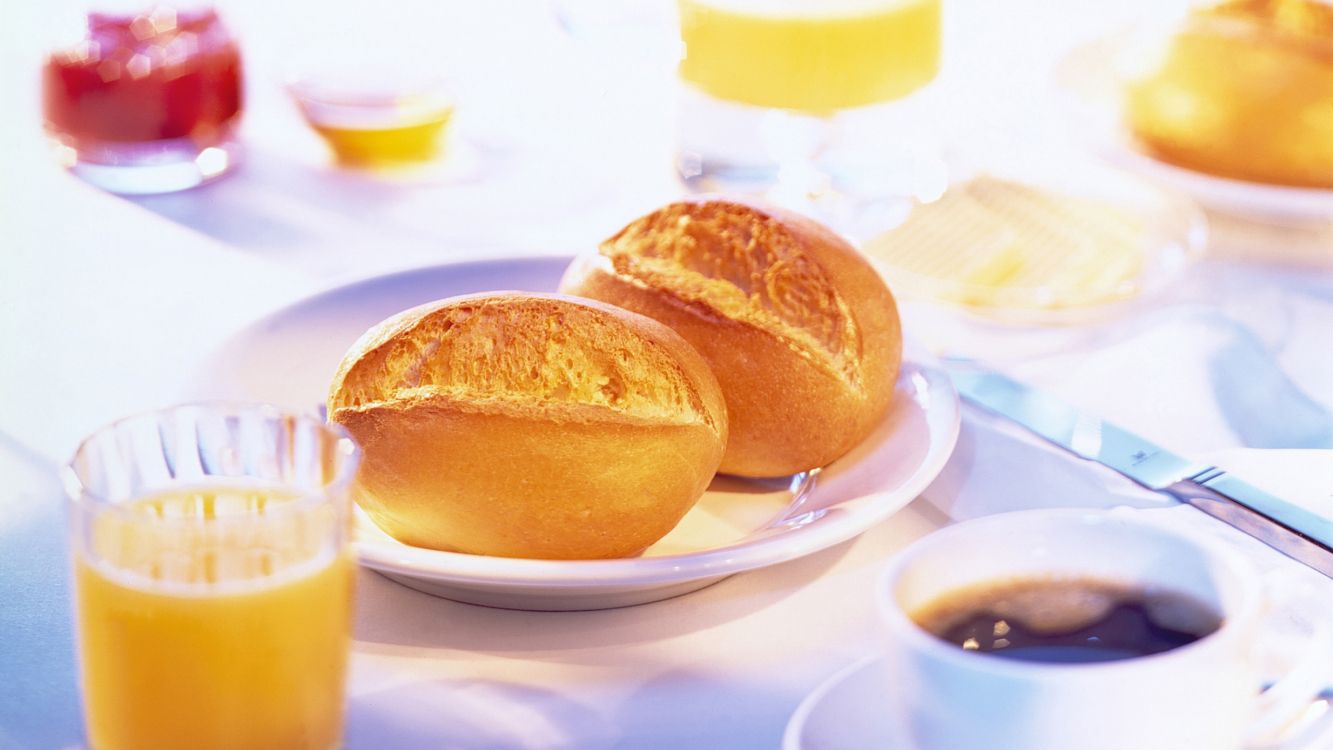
(107, 304)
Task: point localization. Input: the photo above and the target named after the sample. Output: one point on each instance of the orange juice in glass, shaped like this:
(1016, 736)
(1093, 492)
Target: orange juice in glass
(213, 584)
(764, 78)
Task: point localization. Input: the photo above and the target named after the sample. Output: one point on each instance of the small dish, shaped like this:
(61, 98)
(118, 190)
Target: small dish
(1088, 83)
(376, 119)
(288, 357)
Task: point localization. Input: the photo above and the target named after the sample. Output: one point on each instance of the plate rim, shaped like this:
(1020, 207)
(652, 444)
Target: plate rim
(682, 567)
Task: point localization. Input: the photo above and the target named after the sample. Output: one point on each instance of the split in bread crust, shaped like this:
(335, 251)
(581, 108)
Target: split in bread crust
(527, 425)
(718, 257)
(527, 352)
(800, 330)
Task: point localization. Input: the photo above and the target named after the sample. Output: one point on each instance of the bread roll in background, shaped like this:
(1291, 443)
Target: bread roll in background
(525, 425)
(1243, 89)
(801, 332)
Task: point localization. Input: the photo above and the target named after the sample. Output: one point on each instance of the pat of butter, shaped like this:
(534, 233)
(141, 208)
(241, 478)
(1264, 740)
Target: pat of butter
(990, 242)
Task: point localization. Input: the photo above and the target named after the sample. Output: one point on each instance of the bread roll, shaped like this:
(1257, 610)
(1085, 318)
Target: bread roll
(1244, 90)
(801, 332)
(524, 425)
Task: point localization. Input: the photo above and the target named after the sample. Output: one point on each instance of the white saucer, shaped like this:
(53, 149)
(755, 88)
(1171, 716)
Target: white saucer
(1088, 81)
(290, 356)
(847, 711)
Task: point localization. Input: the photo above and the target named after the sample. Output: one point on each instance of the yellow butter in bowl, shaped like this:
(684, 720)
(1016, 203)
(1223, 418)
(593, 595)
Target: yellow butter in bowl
(374, 120)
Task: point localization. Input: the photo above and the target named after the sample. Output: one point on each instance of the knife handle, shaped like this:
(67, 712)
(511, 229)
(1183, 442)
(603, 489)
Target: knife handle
(1269, 519)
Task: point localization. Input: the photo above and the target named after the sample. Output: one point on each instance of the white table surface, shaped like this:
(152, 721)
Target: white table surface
(107, 304)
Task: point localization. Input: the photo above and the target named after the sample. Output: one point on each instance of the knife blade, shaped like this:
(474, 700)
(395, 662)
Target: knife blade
(1289, 528)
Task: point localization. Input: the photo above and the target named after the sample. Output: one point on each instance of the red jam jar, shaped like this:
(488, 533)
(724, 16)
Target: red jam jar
(146, 101)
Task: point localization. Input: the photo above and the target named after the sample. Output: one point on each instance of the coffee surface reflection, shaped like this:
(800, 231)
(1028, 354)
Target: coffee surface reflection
(1066, 621)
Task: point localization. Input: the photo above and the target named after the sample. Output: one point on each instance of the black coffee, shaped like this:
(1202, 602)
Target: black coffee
(1066, 621)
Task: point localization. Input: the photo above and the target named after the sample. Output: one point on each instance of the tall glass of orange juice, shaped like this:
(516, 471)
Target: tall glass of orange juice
(764, 80)
(213, 582)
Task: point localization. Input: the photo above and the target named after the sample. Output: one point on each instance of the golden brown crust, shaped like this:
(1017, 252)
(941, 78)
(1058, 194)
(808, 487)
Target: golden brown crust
(529, 425)
(800, 330)
(503, 351)
(742, 265)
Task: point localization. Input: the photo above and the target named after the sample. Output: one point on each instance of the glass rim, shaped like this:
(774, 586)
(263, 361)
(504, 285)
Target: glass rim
(325, 90)
(81, 497)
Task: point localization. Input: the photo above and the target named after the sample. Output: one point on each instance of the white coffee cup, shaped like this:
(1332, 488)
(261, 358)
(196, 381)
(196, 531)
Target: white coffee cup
(1201, 696)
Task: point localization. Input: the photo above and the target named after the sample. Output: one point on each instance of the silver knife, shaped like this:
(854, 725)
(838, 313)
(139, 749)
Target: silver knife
(1290, 529)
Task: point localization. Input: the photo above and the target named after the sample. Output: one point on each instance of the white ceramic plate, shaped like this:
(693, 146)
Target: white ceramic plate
(289, 358)
(1088, 81)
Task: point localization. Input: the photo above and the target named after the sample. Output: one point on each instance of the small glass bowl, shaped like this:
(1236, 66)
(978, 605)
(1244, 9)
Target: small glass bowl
(375, 120)
(143, 99)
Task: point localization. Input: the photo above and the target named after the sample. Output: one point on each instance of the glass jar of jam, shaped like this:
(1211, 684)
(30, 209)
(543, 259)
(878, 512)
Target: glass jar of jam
(146, 101)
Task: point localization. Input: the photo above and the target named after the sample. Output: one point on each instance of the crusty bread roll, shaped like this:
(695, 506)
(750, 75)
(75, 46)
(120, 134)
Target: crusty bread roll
(1244, 89)
(526, 425)
(800, 330)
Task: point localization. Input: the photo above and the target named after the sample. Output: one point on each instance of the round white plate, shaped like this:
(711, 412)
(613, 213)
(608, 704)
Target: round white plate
(1089, 83)
(846, 712)
(289, 358)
